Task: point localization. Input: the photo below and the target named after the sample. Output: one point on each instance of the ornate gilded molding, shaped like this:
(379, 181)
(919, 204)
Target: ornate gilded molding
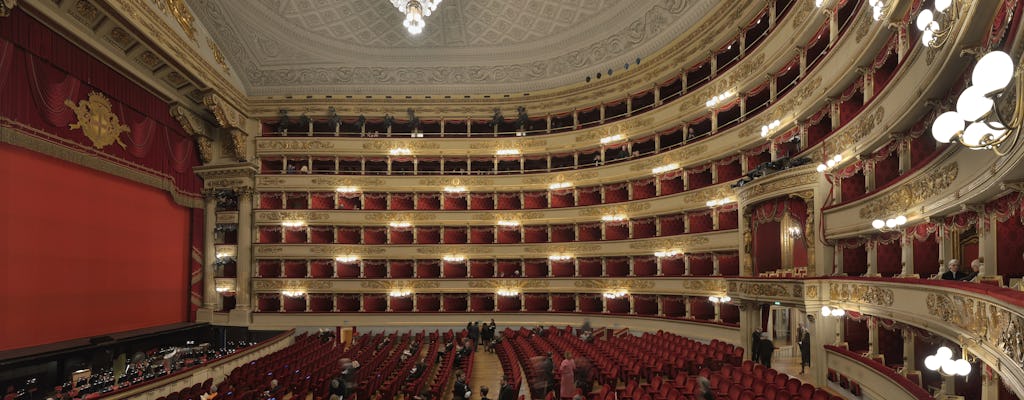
(269, 250)
(704, 285)
(456, 181)
(625, 128)
(397, 216)
(227, 115)
(385, 145)
(97, 121)
(681, 156)
(783, 108)
(269, 181)
(982, 319)
(294, 144)
(860, 293)
(277, 216)
(759, 289)
(847, 139)
(618, 209)
(811, 292)
(217, 55)
(509, 216)
(755, 188)
(558, 248)
(181, 13)
(224, 183)
(197, 128)
(907, 195)
(6, 6)
(509, 283)
(564, 177)
(343, 250)
(286, 284)
(660, 244)
(614, 283)
(520, 144)
(454, 250)
(338, 181)
(400, 284)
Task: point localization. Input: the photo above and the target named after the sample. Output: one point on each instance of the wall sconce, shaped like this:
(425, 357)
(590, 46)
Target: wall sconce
(614, 218)
(293, 223)
(508, 292)
(454, 258)
(942, 362)
(559, 185)
(794, 232)
(400, 224)
(615, 294)
(401, 151)
(611, 139)
(877, 9)
(832, 312)
(560, 257)
(346, 259)
(831, 163)
(400, 292)
(719, 98)
(718, 202)
(506, 152)
(222, 289)
(767, 130)
(293, 293)
(719, 299)
(665, 168)
(347, 189)
(977, 105)
(936, 25)
(891, 224)
(508, 223)
(667, 253)
(454, 189)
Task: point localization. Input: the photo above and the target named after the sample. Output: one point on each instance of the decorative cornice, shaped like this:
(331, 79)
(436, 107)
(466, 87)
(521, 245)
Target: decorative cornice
(398, 216)
(619, 209)
(661, 244)
(558, 248)
(509, 283)
(860, 293)
(768, 185)
(293, 144)
(906, 196)
(277, 216)
(603, 284)
(291, 284)
(704, 285)
(400, 284)
(684, 155)
(847, 138)
(760, 289)
(509, 216)
(345, 250)
(454, 250)
(345, 181)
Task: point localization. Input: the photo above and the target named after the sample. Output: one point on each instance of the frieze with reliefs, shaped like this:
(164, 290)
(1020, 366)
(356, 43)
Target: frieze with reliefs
(982, 319)
(270, 180)
(227, 116)
(515, 144)
(908, 195)
(509, 283)
(811, 292)
(181, 13)
(286, 284)
(848, 138)
(435, 250)
(224, 183)
(628, 208)
(682, 156)
(328, 181)
(567, 177)
(393, 216)
(758, 289)
(509, 216)
(755, 189)
(275, 216)
(662, 244)
(457, 182)
(294, 145)
(621, 128)
(614, 283)
(269, 250)
(784, 107)
(860, 293)
(227, 217)
(701, 196)
(703, 285)
(384, 145)
(400, 284)
(345, 250)
(1011, 340)
(579, 249)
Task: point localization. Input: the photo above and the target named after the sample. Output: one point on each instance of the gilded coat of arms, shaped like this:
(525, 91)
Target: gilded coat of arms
(97, 121)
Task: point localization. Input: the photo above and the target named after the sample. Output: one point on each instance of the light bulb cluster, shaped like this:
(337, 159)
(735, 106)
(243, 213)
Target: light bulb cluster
(943, 361)
(976, 106)
(455, 189)
(508, 292)
(827, 311)
(560, 185)
(877, 8)
(508, 223)
(415, 11)
(929, 25)
(400, 151)
(293, 293)
(347, 189)
(665, 168)
(346, 259)
(560, 257)
(293, 223)
(454, 258)
(400, 292)
(615, 294)
(222, 289)
(614, 217)
(719, 299)
(830, 163)
(506, 152)
(400, 224)
(771, 127)
(720, 98)
(889, 223)
(794, 232)
(611, 139)
(667, 253)
(718, 202)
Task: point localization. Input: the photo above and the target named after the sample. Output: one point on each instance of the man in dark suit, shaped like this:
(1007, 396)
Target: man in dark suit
(461, 390)
(507, 392)
(954, 273)
(755, 339)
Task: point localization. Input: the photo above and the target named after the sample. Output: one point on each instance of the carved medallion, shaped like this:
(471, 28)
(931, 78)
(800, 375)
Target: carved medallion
(97, 121)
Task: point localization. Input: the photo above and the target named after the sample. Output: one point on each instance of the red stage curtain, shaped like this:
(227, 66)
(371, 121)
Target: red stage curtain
(562, 198)
(509, 304)
(268, 268)
(400, 269)
(454, 201)
(701, 264)
(533, 200)
(375, 302)
(295, 304)
(400, 235)
(589, 267)
(348, 270)
(481, 269)
(321, 234)
(729, 264)
(509, 234)
(295, 268)
(615, 193)
(321, 268)
(535, 234)
(645, 266)
(454, 302)
(428, 235)
(454, 235)
(672, 224)
(673, 266)
(481, 235)
(535, 268)
(616, 266)
(889, 258)
(295, 234)
(375, 268)
(560, 269)
(644, 228)
(455, 269)
(588, 196)
(428, 269)
(767, 247)
(481, 201)
(348, 235)
(616, 230)
(429, 302)
(347, 302)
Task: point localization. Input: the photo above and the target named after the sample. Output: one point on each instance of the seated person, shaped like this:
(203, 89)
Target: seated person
(954, 273)
(417, 371)
(210, 395)
(976, 267)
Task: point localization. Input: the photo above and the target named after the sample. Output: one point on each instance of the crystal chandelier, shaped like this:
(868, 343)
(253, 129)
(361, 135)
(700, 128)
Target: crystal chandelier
(415, 11)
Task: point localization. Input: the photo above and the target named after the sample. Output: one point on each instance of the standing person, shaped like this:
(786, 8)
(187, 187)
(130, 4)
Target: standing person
(755, 340)
(704, 389)
(766, 349)
(474, 333)
(567, 371)
(486, 336)
(461, 389)
(805, 348)
(507, 392)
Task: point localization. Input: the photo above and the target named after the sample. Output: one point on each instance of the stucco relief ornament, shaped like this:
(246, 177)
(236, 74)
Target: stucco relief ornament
(6, 6)
(97, 120)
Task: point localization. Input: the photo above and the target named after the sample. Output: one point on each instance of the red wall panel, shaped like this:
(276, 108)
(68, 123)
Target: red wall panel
(85, 253)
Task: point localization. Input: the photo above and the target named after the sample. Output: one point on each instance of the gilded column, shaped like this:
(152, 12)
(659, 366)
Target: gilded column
(209, 250)
(243, 254)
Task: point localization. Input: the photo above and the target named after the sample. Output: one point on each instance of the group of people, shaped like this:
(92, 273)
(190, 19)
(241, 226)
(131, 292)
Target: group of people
(762, 347)
(574, 373)
(486, 334)
(462, 390)
(344, 384)
(953, 272)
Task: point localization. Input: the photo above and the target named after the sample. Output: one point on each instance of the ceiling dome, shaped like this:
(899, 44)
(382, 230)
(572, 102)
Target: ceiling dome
(469, 46)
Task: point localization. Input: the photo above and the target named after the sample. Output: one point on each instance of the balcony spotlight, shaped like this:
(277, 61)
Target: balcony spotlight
(665, 168)
(611, 139)
(877, 9)
(560, 257)
(719, 202)
(720, 98)
(719, 299)
(614, 218)
(559, 185)
(293, 223)
(400, 151)
(347, 189)
(346, 259)
(830, 163)
(455, 189)
(508, 292)
(400, 293)
(616, 293)
(667, 253)
(982, 106)
(771, 127)
(454, 258)
(507, 152)
(794, 232)
(890, 224)
(826, 311)
(942, 361)
(293, 293)
(400, 224)
(508, 223)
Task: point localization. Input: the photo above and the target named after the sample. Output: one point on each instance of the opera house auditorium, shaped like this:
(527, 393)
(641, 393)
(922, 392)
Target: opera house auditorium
(534, 199)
